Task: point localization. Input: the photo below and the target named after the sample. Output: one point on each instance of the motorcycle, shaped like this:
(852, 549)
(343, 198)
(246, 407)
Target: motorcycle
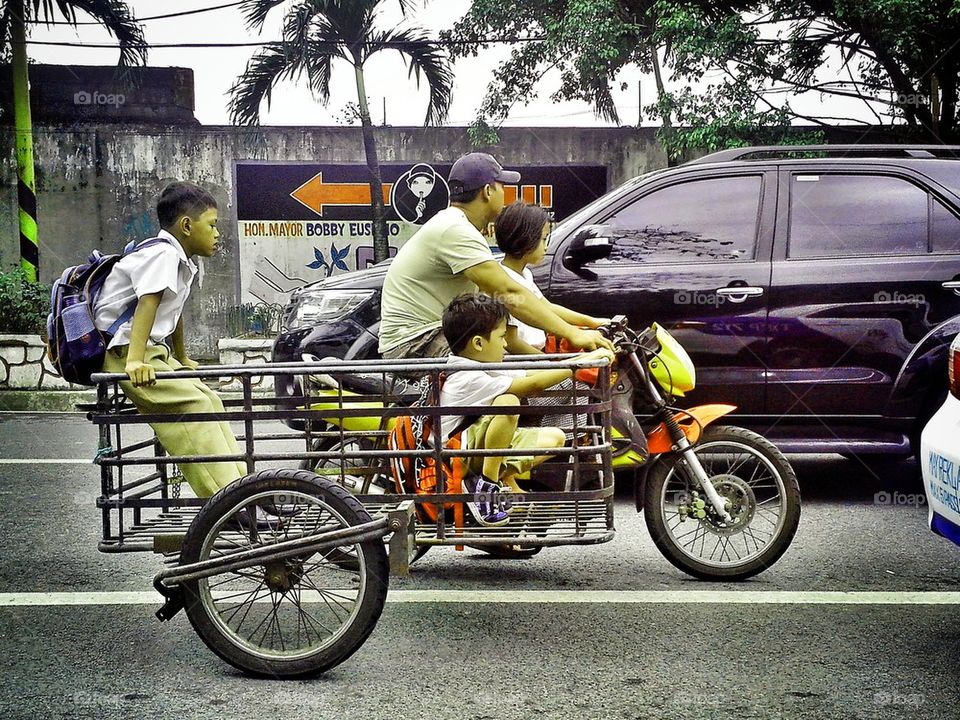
(720, 502)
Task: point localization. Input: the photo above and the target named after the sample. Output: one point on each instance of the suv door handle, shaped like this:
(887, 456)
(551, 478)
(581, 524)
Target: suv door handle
(952, 285)
(739, 294)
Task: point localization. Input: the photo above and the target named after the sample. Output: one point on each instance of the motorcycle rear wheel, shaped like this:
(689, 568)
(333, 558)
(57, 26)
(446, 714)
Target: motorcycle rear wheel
(762, 496)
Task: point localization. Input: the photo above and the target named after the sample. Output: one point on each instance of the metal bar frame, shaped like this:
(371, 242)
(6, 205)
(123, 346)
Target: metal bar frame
(118, 497)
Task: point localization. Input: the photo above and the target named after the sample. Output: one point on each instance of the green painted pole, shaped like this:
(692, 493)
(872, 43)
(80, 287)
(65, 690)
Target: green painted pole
(26, 187)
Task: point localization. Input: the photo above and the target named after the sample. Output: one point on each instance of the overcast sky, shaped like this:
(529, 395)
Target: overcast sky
(215, 70)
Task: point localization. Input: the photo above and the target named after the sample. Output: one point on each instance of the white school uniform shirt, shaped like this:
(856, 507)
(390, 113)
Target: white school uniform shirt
(529, 334)
(164, 266)
(469, 383)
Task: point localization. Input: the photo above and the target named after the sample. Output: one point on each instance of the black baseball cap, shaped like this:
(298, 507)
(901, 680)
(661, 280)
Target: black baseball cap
(474, 170)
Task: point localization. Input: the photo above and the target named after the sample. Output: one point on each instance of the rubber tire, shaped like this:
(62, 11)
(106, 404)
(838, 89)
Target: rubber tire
(656, 524)
(372, 552)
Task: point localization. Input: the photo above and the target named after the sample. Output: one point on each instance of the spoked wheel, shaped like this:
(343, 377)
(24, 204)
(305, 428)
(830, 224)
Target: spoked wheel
(292, 617)
(761, 495)
(358, 476)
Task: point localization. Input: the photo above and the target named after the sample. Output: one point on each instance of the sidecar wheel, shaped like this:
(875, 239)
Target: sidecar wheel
(293, 617)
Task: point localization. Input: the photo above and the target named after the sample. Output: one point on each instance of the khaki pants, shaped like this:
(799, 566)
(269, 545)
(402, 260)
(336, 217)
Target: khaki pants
(430, 344)
(180, 398)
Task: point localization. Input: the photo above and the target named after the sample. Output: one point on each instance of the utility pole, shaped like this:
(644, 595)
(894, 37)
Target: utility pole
(26, 186)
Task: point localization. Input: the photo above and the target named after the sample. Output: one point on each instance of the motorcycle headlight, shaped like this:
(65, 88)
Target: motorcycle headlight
(311, 307)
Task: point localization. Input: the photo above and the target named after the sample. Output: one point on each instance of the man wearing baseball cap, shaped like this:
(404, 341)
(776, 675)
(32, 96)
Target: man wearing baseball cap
(448, 257)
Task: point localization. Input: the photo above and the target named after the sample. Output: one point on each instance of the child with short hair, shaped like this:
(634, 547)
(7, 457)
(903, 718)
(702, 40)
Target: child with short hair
(475, 327)
(157, 281)
(523, 233)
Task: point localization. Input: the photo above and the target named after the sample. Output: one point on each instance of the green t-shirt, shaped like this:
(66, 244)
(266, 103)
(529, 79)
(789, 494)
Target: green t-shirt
(427, 274)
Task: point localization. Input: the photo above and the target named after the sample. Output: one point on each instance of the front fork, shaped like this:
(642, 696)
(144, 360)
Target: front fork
(695, 469)
(698, 473)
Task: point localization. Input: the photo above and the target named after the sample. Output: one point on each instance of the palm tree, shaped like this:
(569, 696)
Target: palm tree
(315, 33)
(117, 19)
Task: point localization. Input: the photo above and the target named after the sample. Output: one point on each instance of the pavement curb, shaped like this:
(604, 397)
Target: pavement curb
(66, 400)
(45, 400)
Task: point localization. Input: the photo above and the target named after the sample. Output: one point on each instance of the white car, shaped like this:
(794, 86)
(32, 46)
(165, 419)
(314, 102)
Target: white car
(940, 457)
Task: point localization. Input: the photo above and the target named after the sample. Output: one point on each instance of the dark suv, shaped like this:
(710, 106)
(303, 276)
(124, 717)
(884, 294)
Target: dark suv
(816, 288)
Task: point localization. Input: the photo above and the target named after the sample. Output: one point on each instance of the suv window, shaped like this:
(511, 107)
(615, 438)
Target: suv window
(852, 215)
(944, 229)
(709, 220)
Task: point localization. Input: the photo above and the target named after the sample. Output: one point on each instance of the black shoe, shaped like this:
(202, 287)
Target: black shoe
(282, 511)
(240, 520)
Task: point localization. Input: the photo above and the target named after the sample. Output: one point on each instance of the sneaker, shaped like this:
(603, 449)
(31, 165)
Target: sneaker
(486, 509)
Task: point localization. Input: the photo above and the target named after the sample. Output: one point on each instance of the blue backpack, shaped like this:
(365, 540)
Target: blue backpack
(74, 344)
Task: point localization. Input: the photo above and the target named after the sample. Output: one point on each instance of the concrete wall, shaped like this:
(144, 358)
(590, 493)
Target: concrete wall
(97, 184)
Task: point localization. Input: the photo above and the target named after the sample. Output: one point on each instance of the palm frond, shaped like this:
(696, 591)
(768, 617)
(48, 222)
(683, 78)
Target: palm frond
(116, 17)
(407, 6)
(280, 61)
(298, 21)
(425, 58)
(276, 61)
(320, 68)
(255, 12)
(4, 26)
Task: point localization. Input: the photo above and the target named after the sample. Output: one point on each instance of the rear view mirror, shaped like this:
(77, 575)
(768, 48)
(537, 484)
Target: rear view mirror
(589, 244)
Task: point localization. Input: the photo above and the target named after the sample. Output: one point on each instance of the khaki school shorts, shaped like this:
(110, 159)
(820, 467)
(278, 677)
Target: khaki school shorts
(523, 438)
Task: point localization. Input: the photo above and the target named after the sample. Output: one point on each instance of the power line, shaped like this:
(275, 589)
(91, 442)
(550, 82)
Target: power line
(139, 20)
(399, 45)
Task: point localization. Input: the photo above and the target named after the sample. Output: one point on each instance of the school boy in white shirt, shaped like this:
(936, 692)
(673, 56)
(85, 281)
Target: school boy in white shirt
(475, 327)
(158, 279)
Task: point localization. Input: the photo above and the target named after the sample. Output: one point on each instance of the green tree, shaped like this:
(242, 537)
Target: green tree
(898, 56)
(15, 17)
(317, 32)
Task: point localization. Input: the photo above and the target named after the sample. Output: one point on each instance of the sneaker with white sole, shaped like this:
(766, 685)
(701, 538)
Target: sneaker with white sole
(487, 508)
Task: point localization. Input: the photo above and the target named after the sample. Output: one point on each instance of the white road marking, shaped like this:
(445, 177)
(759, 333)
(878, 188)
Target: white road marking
(596, 597)
(45, 461)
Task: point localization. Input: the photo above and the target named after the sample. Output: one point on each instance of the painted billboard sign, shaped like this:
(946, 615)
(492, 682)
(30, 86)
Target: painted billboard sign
(302, 222)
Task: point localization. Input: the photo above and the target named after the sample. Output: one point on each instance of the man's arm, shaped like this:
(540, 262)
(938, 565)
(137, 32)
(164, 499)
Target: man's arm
(179, 349)
(527, 307)
(139, 372)
(575, 318)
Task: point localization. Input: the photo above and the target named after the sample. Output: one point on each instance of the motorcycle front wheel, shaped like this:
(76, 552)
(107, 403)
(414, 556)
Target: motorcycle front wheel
(761, 495)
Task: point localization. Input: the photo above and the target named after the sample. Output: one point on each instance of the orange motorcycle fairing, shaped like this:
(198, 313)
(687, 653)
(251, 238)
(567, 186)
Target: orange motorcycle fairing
(658, 439)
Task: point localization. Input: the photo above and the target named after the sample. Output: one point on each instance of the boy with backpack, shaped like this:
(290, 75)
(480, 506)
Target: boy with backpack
(153, 281)
(475, 327)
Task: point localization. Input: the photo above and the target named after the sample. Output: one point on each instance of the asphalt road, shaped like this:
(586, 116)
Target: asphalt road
(607, 650)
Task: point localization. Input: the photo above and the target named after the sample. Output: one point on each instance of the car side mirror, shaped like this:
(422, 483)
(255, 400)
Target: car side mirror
(589, 244)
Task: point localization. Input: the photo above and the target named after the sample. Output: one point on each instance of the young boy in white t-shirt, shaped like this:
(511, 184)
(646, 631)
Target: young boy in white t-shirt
(522, 232)
(475, 327)
(157, 281)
